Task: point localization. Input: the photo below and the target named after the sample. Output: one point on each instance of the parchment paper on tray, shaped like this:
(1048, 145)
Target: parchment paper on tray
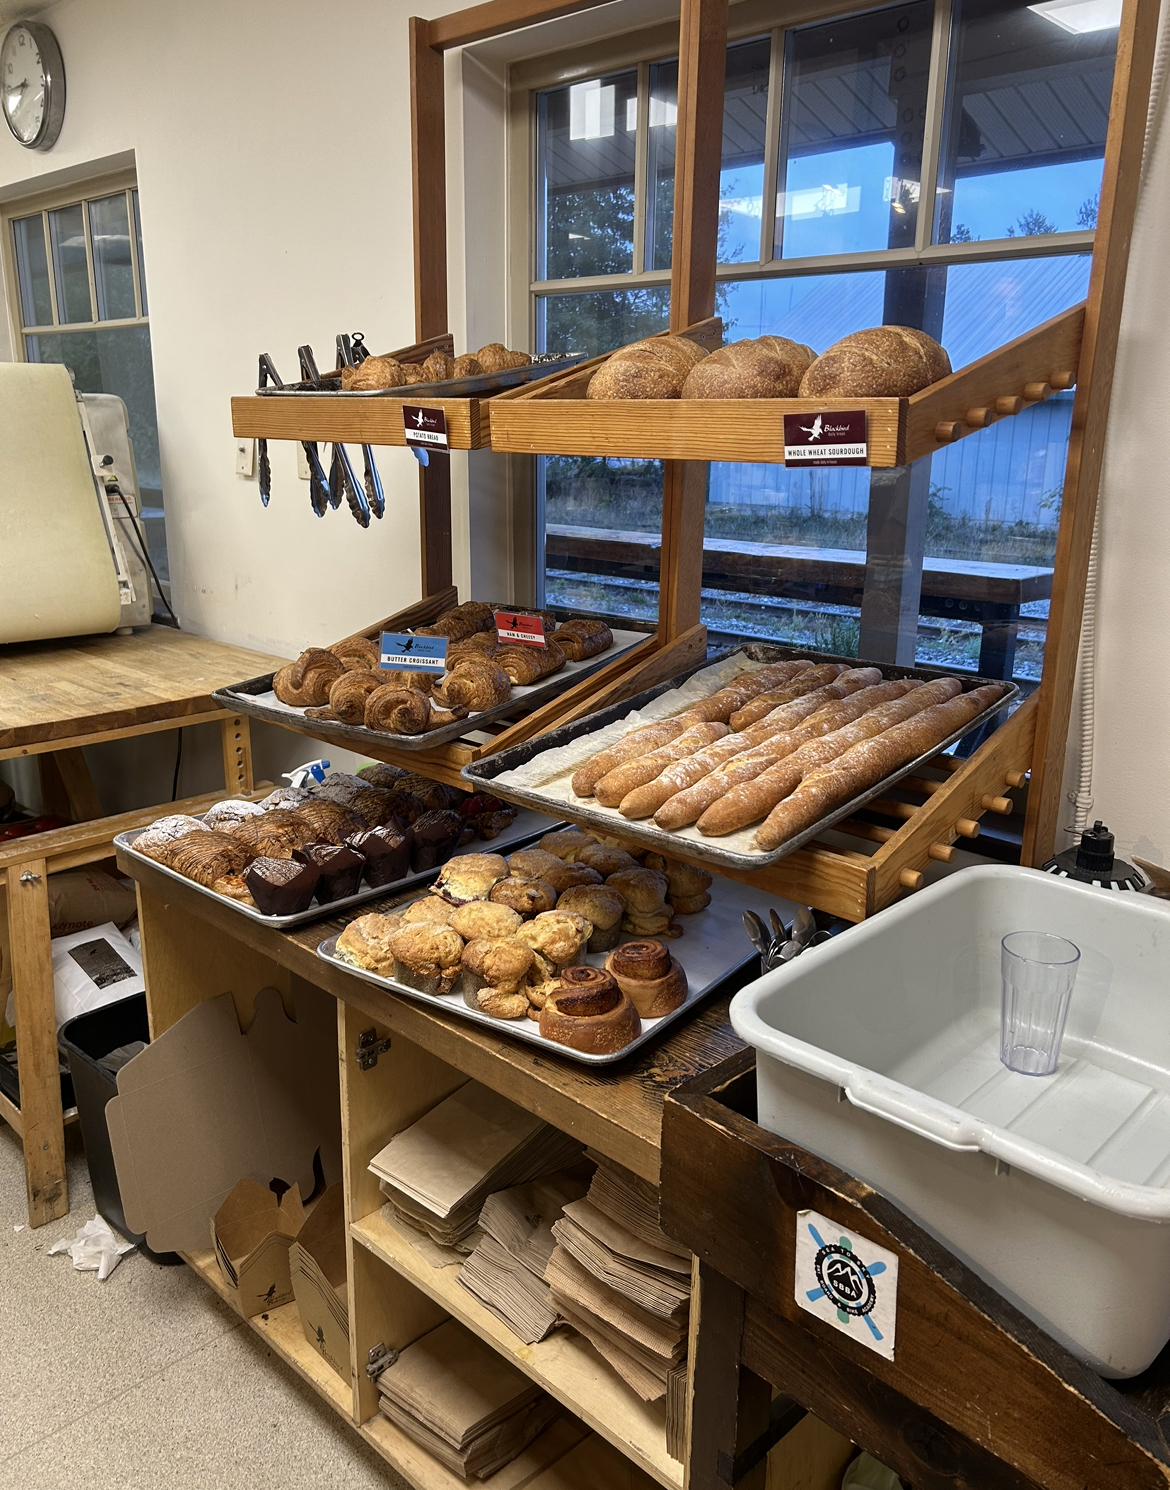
(551, 772)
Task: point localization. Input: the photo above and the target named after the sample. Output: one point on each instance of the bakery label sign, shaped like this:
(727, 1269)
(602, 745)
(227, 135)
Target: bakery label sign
(513, 627)
(425, 428)
(836, 438)
(847, 1281)
(421, 654)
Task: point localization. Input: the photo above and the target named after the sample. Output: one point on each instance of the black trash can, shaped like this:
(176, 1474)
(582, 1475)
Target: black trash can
(87, 1041)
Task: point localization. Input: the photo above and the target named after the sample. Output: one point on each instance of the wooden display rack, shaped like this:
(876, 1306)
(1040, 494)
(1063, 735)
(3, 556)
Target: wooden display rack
(976, 1395)
(554, 416)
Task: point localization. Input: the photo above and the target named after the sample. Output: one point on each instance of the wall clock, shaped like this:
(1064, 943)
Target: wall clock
(32, 85)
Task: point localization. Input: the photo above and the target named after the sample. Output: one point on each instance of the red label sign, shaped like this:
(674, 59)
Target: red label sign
(515, 627)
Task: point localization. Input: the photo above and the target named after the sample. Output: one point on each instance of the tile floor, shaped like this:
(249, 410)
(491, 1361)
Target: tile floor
(147, 1379)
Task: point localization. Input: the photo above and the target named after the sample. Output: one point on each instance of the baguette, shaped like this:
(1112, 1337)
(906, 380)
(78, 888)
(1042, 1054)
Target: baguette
(783, 675)
(638, 742)
(614, 785)
(752, 800)
(643, 801)
(866, 764)
(848, 679)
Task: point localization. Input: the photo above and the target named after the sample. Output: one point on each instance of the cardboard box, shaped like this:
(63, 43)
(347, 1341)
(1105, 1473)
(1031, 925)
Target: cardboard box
(317, 1263)
(205, 1104)
(252, 1233)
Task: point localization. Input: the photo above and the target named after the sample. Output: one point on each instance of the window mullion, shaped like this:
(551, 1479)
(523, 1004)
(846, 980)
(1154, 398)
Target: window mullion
(936, 89)
(51, 268)
(94, 307)
(641, 168)
(772, 147)
(134, 253)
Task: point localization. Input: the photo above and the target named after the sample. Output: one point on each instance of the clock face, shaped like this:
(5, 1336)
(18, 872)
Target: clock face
(32, 85)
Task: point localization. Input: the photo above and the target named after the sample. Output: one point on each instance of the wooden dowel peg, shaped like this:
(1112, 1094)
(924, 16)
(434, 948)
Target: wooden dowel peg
(1016, 778)
(943, 853)
(1062, 380)
(889, 808)
(1036, 393)
(871, 831)
(910, 879)
(921, 784)
(948, 763)
(947, 430)
(996, 804)
(979, 418)
(1009, 404)
(967, 827)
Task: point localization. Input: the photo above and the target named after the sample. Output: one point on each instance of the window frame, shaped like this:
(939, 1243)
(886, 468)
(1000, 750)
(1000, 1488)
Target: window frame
(42, 203)
(748, 20)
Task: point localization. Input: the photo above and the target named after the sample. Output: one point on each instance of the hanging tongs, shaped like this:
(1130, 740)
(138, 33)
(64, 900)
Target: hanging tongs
(317, 491)
(351, 352)
(342, 478)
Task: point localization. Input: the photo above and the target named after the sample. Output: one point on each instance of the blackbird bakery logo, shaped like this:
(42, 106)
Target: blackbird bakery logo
(835, 438)
(847, 1281)
(424, 427)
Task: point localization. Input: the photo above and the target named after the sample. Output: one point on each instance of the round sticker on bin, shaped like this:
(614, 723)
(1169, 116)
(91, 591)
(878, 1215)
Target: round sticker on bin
(850, 1283)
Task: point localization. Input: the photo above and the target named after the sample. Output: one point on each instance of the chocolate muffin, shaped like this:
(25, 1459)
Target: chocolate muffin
(340, 867)
(386, 850)
(281, 887)
(436, 837)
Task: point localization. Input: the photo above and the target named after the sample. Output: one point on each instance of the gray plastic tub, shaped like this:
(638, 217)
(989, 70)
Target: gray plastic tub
(880, 1052)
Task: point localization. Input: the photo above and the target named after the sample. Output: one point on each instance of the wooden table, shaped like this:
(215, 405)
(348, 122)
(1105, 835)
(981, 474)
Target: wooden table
(956, 589)
(55, 698)
(976, 1397)
(196, 947)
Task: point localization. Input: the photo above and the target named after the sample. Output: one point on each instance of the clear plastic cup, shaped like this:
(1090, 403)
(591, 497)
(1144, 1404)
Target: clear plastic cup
(1039, 971)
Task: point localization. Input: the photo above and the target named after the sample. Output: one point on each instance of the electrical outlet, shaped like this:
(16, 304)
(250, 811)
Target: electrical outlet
(302, 463)
(245, 457)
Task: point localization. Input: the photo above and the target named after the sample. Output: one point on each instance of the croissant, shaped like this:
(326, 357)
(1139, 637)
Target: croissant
(482, 644)
(398, 711)
(307, 681)
(347, 697)
(358, 653)
(474, 683)
(409, 677)
(451, 624)
(526, 665)
(480, 612)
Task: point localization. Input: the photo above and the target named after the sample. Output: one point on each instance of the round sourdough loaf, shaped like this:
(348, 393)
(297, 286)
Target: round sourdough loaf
(883, 362)
(766, 367)
(655, 368)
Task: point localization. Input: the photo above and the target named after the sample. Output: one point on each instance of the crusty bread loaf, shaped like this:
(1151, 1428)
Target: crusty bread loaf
(866, 764)
(883, 362)
(615, 784)
(372, 374)
(765, 367)
(654, 368)
(752, 800)
(638, 742)
(835, 675)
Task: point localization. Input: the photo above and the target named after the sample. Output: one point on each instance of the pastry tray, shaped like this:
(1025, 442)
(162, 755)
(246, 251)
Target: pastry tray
(483, 385)
(491, 773)
(712, 947)
(255, 697)
(528, 827)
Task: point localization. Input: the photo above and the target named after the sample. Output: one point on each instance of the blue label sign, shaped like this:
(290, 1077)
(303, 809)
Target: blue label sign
(425, 654)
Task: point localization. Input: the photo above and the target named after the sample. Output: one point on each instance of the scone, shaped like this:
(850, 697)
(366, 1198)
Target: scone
(366, 943)
(483, 920)
(430, 912)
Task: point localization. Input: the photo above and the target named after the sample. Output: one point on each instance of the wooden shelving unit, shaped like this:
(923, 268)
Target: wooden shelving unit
(565, 1364)
(554, 416)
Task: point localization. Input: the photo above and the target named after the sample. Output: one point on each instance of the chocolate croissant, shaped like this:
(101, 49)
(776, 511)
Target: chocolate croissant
(206, 857)
(347, 697)
(398, 711)
(307, 681)
(474, 683)
(582, 638)
(527, 665)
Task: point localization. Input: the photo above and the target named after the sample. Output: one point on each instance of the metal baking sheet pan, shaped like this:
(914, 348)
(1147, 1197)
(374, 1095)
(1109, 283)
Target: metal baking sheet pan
(528, 827)
(713, 945)
(255, 696)
(486, 774)
(483, 385)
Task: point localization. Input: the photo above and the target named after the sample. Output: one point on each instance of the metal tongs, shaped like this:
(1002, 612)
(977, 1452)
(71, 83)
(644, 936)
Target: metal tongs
(342, 477)
(785, 942)
(318, 495)
(351, 352)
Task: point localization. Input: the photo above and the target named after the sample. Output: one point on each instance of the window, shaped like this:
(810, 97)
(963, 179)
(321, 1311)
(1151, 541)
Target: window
(80, 292)
(927, 163)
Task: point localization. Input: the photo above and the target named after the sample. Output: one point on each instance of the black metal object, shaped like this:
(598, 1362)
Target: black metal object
(1092, 862)
(347, 350)
(484, 773)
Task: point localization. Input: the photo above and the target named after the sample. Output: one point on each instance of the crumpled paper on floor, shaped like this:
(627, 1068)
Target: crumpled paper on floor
(95, 1248)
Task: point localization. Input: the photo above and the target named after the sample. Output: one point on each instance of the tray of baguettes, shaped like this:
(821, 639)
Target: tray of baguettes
(573, 944)
(746, 756)
(342, 694)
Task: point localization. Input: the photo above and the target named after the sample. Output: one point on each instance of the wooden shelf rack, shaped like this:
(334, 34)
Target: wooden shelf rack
(554, 416)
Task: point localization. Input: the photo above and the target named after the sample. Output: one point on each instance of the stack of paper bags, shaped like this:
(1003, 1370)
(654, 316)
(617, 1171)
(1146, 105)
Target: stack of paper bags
(506, 1270)
(471, 1408)
(438, 1172)
(620, 1281)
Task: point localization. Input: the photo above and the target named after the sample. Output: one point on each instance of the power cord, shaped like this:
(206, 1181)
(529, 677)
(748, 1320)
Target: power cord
(112, 486)
(178, 763)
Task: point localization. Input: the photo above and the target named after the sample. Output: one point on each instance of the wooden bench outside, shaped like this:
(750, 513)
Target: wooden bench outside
(957, 589)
